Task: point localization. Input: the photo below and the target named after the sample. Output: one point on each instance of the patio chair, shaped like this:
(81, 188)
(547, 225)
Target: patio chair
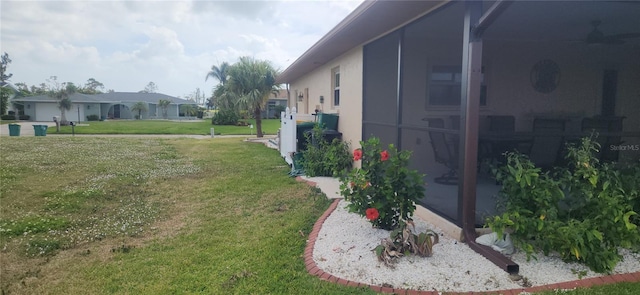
(547, 141)
(602, 125)
(502, 124)
(499, 126)
(445, 150)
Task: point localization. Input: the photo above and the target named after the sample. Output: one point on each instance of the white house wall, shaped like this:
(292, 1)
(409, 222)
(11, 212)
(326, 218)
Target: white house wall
(319, 83)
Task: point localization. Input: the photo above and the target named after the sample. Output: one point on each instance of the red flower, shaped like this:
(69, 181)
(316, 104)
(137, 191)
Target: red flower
(357, 155)
(372, 214)
(384, 155)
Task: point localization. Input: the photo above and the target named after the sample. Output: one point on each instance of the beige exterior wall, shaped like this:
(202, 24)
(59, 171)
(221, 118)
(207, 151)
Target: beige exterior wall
(319, 83)
(579, 93)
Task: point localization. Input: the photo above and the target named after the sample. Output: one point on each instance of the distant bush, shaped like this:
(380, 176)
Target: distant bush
(8, 117)
(225, 117)
(93, 118)
(24, 117)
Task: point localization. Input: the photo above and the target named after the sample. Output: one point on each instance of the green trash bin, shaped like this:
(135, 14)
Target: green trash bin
(40, 130)
(301, 129)
(328, 121)
(14, 130)
(297, 161)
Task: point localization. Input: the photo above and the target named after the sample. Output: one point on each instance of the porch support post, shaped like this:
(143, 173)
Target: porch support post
(469, 107)
(470, 118)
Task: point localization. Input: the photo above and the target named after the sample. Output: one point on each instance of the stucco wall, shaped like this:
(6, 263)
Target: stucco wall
(319, 83)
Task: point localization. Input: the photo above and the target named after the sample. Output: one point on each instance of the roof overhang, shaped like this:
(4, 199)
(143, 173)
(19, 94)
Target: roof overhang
(527, 21)
(367, 22)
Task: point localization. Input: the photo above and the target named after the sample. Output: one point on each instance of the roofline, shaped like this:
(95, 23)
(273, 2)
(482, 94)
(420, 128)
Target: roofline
(365, 21)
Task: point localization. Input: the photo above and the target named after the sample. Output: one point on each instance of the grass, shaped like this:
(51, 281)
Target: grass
(269, 126)
(151, 216)
(158, 216)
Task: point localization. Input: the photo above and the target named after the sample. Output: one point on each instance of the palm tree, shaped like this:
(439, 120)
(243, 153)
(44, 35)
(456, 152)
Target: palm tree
(219, 73)
(140, 107)
(164, 105)
(188, 110)
(252, 81)
(62, 94)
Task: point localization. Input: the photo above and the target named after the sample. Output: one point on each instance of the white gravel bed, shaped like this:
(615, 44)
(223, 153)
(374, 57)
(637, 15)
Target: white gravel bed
(345, 242)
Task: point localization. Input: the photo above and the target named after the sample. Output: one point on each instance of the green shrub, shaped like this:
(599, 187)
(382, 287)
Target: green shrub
(383, 189)
(225, 117)
(24, 117)
(322, 158)
(584, 211)
(93, 118)
(8, 117)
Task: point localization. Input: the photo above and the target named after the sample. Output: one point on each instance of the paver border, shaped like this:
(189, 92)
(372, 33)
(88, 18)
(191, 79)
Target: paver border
(313, 269)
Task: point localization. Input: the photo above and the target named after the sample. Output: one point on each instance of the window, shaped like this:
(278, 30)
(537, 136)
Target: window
(336, 87)
(445, 86)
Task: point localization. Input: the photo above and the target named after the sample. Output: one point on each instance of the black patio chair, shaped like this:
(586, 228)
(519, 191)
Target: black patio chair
(547, 142)
(445, 150)
(603, 125)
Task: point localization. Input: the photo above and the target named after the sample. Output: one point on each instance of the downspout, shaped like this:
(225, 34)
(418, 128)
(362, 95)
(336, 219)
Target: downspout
(470, 108)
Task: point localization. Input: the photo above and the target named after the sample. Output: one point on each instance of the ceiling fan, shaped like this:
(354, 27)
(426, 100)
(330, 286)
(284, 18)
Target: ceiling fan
(598, 37)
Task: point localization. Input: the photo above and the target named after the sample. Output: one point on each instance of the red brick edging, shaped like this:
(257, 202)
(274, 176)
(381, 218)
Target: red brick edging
(313, 269)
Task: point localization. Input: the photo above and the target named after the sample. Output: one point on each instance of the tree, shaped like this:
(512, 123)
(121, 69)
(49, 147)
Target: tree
(139, 107)
(164, 105)
(188, 110)
(5, 90)
(62, 92)
(39, 90)
(150, 88)
(252, 82)
(210, 103)
(92, 87)
(219, 73)
(23, 89)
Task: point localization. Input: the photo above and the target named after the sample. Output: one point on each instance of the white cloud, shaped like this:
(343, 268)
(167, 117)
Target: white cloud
(127, 44)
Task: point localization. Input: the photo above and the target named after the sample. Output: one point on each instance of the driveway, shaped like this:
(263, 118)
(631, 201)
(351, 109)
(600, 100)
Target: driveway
(26, 128)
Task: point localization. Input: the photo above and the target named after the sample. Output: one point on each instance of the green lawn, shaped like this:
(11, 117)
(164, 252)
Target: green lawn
(269, 127)
(158, 216)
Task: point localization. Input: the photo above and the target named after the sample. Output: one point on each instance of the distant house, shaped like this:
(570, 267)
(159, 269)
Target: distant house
(276, 102)
(460, 82)
(114, 105)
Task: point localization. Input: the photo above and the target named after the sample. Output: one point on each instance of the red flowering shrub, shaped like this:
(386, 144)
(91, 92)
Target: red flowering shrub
(357, 155)
(372, 214)
(383, 183)
(384, 155)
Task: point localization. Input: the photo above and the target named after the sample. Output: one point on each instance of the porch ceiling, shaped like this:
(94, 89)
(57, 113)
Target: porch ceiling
(563, 21)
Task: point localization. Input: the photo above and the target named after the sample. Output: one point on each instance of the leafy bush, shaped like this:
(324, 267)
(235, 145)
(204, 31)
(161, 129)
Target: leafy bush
(584, 211)
(322, 158)
(93, 118)
(225, 117)
(383, 183)
(8, 117)
(24, 117)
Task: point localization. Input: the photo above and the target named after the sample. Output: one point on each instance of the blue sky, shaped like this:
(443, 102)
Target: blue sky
(127, 44)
